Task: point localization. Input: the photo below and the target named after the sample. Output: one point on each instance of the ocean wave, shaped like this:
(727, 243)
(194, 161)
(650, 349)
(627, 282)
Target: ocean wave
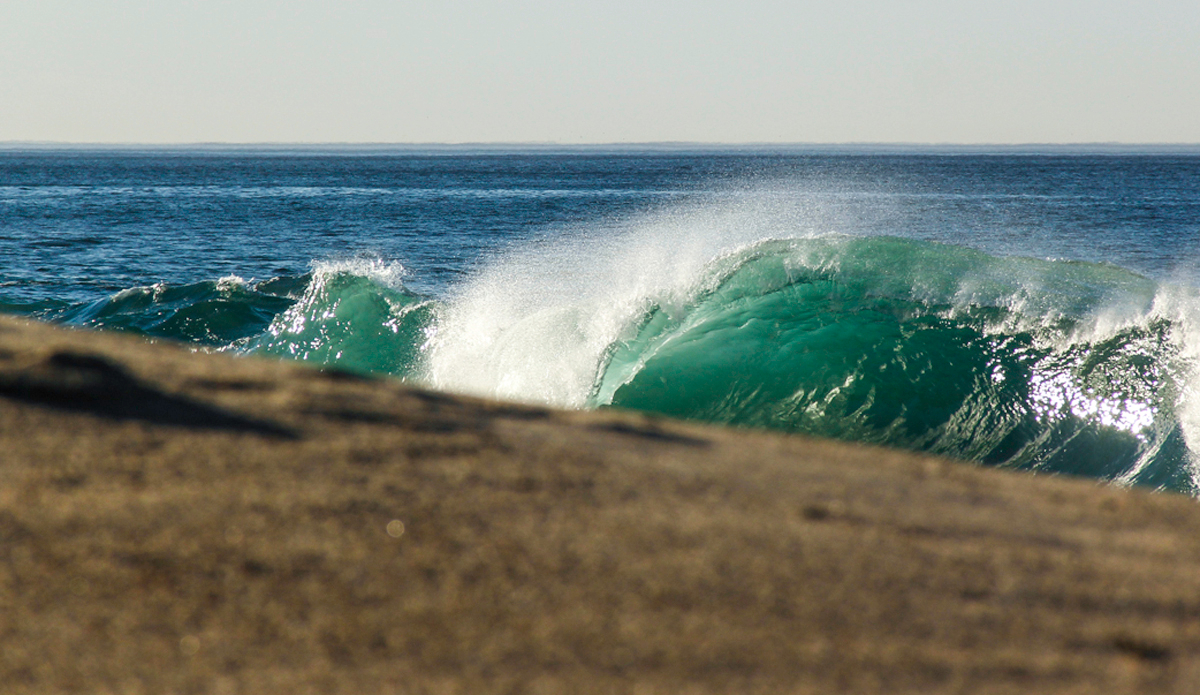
(1058, 366)
(353, 314)
(1030, 369)
(1048, 365)
(211, 313)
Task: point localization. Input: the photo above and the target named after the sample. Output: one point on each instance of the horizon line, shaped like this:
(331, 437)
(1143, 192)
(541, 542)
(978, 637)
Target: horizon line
(675, 145)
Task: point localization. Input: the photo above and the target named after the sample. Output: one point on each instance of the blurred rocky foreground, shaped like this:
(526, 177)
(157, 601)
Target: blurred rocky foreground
(173, 522)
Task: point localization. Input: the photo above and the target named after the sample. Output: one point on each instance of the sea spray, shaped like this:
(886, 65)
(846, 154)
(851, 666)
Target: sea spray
(535, 324)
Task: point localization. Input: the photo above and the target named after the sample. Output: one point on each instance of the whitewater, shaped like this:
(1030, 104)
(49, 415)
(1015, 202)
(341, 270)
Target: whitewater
(774, 302)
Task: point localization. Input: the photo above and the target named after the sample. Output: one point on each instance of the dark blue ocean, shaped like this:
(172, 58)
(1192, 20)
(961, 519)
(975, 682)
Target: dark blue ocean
(1032, 309)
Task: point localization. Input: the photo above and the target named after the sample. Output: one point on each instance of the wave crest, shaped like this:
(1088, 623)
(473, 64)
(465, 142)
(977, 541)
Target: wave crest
(1049, 365)
(355, 315)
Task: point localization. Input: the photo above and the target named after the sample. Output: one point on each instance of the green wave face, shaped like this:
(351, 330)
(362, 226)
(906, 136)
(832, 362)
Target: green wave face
(352, 320)
(925, 347)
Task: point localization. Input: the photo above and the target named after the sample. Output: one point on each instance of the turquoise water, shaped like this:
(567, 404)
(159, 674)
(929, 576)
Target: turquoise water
(1026, 311)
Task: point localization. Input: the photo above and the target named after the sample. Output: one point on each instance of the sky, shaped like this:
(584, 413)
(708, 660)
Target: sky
(617, 71)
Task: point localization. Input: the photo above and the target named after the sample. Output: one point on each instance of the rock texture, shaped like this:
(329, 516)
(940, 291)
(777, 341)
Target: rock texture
(173, 522)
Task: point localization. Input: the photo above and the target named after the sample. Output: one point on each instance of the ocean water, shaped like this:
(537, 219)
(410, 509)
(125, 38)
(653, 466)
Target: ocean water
(1031, 309)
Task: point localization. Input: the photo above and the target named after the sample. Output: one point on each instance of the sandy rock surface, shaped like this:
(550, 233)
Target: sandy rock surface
(173, 522)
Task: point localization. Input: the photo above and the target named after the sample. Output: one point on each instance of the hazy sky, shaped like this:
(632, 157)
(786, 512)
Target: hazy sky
(602, 71)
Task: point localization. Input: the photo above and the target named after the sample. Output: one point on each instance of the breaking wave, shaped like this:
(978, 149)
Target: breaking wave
(1049, 365)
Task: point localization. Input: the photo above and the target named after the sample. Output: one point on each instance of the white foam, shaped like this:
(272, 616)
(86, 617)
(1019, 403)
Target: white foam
(230, 283)
(388, 273)
(536, 323)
